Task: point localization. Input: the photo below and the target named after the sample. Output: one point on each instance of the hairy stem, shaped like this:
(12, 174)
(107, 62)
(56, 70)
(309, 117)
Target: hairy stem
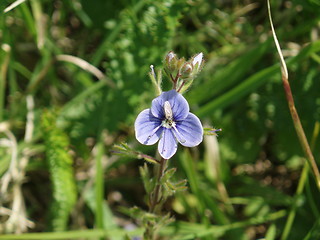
(154, 201)
(156, 194)
(181, 86)
(175, 80)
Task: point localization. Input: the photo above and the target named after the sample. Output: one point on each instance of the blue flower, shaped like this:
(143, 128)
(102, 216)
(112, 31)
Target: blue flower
(169, 120)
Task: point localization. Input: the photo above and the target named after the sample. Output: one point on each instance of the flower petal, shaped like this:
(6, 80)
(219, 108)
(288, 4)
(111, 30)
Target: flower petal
(168, 145)
(197, 60)
(179, 105)
(190, 131)
(148, 129)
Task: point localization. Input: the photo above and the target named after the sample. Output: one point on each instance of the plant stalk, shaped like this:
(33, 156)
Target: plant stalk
(156, 194)
(155, 199)
(300, 132)
(294, 114)
(3, 76)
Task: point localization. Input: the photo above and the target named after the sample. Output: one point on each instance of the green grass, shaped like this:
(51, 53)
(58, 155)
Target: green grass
(85, 66)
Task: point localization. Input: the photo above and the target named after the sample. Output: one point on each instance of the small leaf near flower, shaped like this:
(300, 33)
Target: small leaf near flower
(211, 131)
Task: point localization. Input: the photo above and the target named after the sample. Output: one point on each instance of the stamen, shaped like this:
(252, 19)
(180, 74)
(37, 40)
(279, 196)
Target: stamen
(153, 132)
(178, 136)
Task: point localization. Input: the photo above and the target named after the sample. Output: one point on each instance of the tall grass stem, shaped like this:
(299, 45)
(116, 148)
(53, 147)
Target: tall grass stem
(294, 114)
(3, 76)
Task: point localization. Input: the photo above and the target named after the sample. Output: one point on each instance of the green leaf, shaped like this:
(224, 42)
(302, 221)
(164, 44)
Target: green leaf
(168, 175)
(252, 83)
(148, 182)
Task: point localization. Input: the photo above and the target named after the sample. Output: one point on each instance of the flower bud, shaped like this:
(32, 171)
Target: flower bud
(186, 70)
(171, 62)
(197, 61)
(170, 56)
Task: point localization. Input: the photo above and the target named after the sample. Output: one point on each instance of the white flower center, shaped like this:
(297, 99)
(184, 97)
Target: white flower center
(168, 122)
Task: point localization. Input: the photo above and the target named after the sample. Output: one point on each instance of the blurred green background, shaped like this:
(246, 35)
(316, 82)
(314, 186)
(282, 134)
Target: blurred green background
(74, 77)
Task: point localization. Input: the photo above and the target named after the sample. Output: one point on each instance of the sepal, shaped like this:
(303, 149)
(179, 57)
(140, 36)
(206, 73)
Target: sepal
(156, 79)
(171, 62)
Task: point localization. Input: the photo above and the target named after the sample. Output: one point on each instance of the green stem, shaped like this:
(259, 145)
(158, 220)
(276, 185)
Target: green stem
(156, 194)
(99, 187)
(80, 234)
(3, 74)
(182, 84)
(155, 200)
(99, 180)
(302, 182)
(292, 213)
